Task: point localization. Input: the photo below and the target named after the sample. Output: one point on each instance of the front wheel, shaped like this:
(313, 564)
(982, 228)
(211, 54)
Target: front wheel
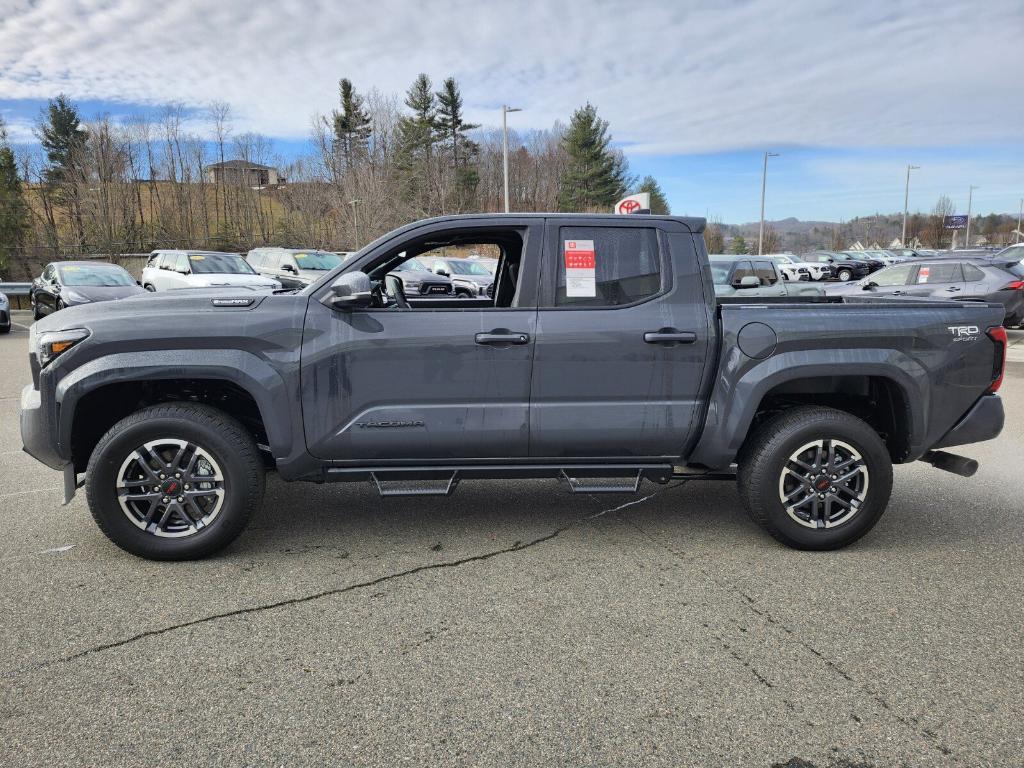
(845, 275)
(174, 481)
(816, 478)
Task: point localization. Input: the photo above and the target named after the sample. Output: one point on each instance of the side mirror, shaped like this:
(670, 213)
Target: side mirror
(439, 270)
(750, 281)
(289, 268)
(869, 286)
(138, 283)
(350, 290)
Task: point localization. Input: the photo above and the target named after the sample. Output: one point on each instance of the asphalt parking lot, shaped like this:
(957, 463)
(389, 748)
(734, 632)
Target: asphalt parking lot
(514, 624)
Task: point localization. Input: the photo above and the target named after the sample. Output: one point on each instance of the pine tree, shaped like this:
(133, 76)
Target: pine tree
(739, 244)
(596, 175)
(451, 128)
(659, 204)
(352, 125)
(416, 134)
(14, 213)
(63, 138)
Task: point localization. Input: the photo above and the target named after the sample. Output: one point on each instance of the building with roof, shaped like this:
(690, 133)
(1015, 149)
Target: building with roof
(244, 173)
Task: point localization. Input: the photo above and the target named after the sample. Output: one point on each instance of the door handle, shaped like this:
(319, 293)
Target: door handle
(953, 289)
(670, 337)
(502, 338)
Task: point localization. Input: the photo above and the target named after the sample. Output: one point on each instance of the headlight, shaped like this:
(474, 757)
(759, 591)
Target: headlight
(53, 344)
(411, 283)
(74, 296)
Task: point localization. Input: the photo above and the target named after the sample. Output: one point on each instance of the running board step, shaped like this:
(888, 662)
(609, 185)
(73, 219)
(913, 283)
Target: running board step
(577, 486)
(415, 487)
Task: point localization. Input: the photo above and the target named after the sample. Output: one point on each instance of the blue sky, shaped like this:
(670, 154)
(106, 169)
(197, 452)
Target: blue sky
(847, 94)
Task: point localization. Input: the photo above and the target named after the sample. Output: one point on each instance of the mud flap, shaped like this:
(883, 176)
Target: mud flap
(71, 483)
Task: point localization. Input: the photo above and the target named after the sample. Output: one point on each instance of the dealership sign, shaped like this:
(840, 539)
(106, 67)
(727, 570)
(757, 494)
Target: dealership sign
(638, 203)
(954, 222)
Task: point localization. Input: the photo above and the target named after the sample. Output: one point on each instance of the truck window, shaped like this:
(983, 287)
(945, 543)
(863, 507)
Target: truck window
(765, 273)
(607, 266)
(743, 269)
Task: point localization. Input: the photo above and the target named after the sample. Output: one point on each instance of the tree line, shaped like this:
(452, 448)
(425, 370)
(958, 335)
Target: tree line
(377, 161)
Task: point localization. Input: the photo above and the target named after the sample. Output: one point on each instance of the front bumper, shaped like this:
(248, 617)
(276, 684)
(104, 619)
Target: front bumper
(983, 421)
(38, 430)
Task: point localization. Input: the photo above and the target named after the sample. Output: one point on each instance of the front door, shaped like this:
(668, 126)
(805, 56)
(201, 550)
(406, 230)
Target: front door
(622, 341)
(440, 379)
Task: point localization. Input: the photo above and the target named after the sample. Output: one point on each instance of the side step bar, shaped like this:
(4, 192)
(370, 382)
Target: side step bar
(442, 481)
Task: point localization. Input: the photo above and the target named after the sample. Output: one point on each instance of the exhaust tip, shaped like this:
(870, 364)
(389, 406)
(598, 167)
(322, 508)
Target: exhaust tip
(950, 462)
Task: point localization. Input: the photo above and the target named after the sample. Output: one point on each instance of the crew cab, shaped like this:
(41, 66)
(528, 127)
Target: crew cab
(602, 357)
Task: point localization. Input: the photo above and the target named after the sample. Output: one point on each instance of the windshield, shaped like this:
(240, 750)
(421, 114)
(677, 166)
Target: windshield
(783, 259)
(720, 271)
(411, 265)
(219, 263)
(469, 268)
(99, 275)
(320, 260)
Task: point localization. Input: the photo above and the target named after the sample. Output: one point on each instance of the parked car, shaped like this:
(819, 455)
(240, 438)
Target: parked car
(843, 267)
(69, 283)
(293, 267)
(905, 253)
(605, 357)
(1011, 253)
(5, 314)
(419, 280)
(169, 270)
(964, 279)
(794, 269)
(874, 262)
(748, 276)
(469, 277)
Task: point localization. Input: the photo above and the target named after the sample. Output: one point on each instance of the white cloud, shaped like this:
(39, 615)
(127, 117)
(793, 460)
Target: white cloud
(670, 76)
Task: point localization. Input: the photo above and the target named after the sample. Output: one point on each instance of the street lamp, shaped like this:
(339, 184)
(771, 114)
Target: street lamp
(764, 179)
(906, 198)
(970, 194)
(355, 220)
(505, 109)
(1020, 212)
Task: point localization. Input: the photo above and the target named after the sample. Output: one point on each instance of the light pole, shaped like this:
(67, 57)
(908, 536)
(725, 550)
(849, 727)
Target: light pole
(967, 238)
(906, 198)
(1020, 212)
(505, 109)
(355, 220)
(764, 180)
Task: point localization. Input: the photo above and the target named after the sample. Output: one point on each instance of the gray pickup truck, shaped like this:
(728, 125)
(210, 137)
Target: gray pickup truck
(603, 358)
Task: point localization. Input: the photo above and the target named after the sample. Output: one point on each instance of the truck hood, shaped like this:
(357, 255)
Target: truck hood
(231, 280)
(102, 292)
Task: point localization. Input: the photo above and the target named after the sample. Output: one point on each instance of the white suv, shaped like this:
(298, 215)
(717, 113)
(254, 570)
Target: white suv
(167, 270)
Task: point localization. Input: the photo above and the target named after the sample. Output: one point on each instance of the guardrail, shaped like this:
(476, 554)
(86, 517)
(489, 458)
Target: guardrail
(17, 293)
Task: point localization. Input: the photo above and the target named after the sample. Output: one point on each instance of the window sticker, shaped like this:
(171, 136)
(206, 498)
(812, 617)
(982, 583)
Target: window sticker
(580, 266)
(922, 275)
(196, 257)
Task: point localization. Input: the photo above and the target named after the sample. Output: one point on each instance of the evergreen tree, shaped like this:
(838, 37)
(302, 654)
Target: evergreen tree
(659, 204)
(14, 213)
(451, 128)
(63, 137)
(416, 132)
(596, 175)
(352, 125)
(739, 244)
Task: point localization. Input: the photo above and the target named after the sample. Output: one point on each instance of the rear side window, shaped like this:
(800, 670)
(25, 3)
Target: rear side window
(607, 266)
(255, 258)
(948, 272)
(972, 274)
(765, 273)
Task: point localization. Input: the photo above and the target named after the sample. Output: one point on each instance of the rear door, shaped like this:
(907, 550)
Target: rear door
(938, 280)
(622, 339)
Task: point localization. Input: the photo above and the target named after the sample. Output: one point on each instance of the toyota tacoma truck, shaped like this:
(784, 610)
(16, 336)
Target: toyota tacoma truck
(601, 357)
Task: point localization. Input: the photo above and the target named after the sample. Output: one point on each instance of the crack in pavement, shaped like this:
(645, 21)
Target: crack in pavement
(748, 602)
(519, 546)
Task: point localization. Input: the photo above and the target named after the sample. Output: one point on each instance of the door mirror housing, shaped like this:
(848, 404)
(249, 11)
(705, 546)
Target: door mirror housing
(440, 270)
(750, 281)
(350, 290)
(289, 268)
(869, 286)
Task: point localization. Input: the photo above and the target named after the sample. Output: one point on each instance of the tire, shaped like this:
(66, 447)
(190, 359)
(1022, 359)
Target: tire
(215, 445)
(60, 305)
(36, 314)
(4, 329)
(845, 275)
(765, 475)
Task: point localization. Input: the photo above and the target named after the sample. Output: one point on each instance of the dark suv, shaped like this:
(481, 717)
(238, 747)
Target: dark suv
(844, 269)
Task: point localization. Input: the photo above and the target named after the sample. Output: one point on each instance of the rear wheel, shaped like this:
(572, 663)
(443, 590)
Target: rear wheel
(815, 478)
(174, 481)
(845, 275)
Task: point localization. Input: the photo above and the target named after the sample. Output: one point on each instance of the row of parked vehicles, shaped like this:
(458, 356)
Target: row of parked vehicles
(978, 275)
(69, 283)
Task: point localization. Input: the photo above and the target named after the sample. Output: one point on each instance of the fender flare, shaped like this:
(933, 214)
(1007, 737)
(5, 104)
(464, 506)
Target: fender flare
(735, 401)
(248, 371)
